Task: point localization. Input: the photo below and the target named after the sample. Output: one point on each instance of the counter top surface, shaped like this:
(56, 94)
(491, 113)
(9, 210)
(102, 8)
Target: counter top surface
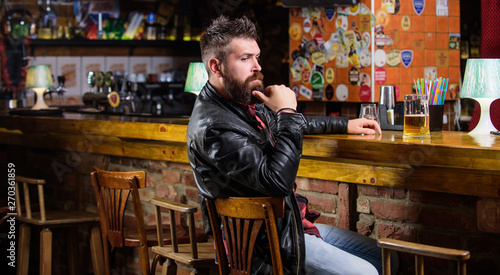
(453, 162)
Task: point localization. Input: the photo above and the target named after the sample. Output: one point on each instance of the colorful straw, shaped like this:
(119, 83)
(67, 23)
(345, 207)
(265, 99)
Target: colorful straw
(435, 90)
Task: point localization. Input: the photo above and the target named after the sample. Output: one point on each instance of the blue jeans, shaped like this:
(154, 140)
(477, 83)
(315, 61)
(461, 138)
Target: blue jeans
(344, 252)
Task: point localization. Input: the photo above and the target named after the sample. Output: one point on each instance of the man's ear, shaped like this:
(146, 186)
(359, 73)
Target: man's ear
(215, 67)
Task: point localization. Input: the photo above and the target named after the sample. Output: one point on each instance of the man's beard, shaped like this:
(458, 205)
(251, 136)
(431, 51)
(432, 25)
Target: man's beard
(241, 92)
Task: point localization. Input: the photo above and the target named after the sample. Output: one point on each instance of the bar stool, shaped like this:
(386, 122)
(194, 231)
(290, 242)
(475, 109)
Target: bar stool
(46, 219)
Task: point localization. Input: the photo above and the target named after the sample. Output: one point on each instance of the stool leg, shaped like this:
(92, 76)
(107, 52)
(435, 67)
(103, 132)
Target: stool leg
(96, 251)
(73, 250)
(24, 249)
(46, 252)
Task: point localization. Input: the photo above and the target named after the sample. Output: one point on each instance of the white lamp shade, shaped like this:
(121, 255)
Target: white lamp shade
(481, 79)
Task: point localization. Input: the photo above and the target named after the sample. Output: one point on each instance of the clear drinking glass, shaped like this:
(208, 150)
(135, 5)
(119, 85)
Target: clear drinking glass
(416, 123)
(368, 111)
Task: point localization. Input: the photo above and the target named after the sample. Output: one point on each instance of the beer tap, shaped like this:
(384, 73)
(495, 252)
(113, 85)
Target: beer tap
(61, 79)
(130, 87)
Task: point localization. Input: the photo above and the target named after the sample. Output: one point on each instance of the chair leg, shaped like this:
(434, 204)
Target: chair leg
(45, 252)
(156, 259)
(169, 267)
(96, 251)
(24, 249)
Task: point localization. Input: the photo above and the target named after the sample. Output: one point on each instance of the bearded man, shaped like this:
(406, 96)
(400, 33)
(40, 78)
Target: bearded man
(245, 140)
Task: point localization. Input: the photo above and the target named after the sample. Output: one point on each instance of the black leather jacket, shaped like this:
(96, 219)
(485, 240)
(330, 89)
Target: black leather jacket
(231, 156)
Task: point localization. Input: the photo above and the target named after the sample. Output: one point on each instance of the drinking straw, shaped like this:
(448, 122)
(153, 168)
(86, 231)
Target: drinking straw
(445, 90)
(438, 97)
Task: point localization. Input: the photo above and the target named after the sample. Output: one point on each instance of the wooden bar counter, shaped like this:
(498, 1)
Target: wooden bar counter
(448, 162)
(440, 191)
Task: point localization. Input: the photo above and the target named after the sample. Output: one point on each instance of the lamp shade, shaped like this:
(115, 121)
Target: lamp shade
(481, 79)
(196, 78)
(39, 76)
(482, 83)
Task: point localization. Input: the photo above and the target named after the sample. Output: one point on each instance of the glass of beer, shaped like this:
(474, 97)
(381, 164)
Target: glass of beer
(416, 123)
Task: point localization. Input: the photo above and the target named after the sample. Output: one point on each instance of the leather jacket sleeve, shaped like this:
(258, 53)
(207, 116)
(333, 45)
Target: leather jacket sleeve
(326, 125)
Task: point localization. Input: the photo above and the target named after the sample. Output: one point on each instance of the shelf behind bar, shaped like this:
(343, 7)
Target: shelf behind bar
(185, 48)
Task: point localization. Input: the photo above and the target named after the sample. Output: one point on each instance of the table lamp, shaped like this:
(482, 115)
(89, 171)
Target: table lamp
(39, 78)
(196, 78)
(482, 83)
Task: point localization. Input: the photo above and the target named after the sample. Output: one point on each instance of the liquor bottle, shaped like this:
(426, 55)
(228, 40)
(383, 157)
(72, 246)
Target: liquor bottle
(47, 21)
(150, 27)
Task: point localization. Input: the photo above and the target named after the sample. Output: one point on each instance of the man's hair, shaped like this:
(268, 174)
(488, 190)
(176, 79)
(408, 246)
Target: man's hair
(215, 41)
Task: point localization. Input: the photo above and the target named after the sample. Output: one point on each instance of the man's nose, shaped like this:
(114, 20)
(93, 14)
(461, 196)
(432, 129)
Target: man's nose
(256, 66)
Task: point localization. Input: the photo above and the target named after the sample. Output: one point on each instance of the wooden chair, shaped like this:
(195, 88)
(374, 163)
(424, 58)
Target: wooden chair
(421, 250)
(46, 219)
(242, 219)
(112, 190)
(195, 254)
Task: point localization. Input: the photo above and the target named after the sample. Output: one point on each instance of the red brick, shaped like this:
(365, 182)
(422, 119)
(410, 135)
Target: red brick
(159, 163)
(140, 163)
(386, 192)
(400, 212)
(166, 191)
(344, 212)
(365, 225)
(171, 176)
(150, 181)
(192, 194)
(488, 215)
(125, 161)
(321, 202)
(440, 198)
(153, 170)
(146, 194)
(448, 220)
(404, 233)
(181, 166)
(321, 186)
(188, 177)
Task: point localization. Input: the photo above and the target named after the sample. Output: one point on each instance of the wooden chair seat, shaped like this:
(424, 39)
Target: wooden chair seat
(61, 218)
(205, 253)
(196, 254)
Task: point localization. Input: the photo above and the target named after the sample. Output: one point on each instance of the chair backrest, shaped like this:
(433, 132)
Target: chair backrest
(28, 203)
(242, 219)
(112, 190)
(421, 250)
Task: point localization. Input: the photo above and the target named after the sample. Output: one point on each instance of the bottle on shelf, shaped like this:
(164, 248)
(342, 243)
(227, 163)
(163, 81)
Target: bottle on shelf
(47, 25)
(151, 27)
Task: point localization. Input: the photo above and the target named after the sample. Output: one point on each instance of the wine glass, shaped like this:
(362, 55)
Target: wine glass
(368, 111)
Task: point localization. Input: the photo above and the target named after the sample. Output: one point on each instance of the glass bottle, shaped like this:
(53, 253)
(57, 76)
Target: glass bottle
(47, 21)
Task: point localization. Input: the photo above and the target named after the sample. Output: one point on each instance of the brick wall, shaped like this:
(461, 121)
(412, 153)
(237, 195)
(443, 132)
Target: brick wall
(455, 221)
